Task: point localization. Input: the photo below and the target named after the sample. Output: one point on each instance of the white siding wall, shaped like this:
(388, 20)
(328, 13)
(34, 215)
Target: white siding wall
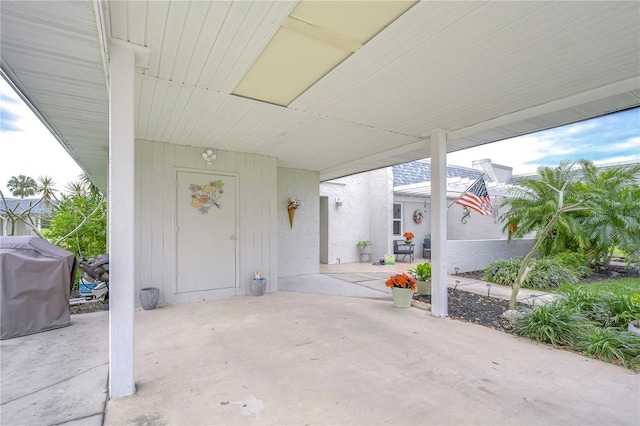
(298, 247)
(156, 165)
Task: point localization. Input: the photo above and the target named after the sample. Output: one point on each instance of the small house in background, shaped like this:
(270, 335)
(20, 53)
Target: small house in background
(12, 207)
(382, 205)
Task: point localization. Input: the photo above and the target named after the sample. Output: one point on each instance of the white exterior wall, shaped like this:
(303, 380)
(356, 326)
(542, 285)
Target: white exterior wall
(155, 175)
(478, 227)
(476, 255)
(363, 215)
(298, 247)
(420, 231)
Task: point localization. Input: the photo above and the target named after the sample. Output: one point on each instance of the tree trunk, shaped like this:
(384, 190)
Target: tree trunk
(524, 267)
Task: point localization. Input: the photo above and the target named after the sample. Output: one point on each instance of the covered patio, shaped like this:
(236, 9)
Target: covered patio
(285, 95)
(293, 358)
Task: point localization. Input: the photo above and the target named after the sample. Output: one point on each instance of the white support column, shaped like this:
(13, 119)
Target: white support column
(439, 306)
(121, 220)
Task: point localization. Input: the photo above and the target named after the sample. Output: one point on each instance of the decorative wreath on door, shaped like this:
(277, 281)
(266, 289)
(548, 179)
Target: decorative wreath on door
(418, 215)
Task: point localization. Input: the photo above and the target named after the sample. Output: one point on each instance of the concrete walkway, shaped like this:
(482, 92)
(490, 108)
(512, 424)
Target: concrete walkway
(58, 376)
(371, 284)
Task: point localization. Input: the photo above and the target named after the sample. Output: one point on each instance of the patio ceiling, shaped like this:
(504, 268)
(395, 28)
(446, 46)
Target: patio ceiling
(482, 71)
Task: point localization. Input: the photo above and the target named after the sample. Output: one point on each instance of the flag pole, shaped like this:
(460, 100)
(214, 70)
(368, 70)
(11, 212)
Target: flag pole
(467, 190)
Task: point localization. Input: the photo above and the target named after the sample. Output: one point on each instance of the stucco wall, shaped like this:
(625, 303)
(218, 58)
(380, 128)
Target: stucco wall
(363, 215)
(420, 231)
(478, 227)
(298, 247)
(477, 254)
(155, 186)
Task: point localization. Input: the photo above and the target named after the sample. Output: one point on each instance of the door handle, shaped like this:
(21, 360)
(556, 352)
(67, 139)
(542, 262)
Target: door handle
(233, 237)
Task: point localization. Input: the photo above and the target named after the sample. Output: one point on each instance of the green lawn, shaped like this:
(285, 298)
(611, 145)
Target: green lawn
(629, 286)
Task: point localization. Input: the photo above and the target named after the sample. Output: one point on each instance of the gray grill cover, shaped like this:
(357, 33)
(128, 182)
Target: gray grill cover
(35, 282)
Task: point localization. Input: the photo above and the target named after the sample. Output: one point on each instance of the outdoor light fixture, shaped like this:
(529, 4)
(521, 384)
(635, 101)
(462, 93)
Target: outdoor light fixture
(208, 156)
(338, 201)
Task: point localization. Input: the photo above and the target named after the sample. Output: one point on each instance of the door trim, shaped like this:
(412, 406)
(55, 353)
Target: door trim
(174, 229)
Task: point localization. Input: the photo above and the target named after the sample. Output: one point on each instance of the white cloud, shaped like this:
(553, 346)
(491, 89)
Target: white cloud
(589, 139)
(34, 151)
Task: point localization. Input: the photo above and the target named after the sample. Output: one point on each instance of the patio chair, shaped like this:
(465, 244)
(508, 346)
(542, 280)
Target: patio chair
(404, 250)
(426, 248)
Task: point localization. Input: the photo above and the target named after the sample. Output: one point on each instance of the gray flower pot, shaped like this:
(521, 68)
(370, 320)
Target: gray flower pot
(149, 298)
(258, 286)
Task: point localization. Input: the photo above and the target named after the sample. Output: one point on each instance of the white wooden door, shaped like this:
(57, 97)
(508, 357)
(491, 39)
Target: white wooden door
(206, 232)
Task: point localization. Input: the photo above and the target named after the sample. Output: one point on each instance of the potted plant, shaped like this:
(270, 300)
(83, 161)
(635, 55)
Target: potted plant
(422, 273)
(402, 287)
(408, 237)
(364, 246)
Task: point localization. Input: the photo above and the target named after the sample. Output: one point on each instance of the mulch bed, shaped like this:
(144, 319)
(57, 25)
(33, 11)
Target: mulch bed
(476, 308)
(487, 311)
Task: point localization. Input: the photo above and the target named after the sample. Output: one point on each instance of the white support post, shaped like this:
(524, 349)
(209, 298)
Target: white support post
(121, 221)
(439, 306)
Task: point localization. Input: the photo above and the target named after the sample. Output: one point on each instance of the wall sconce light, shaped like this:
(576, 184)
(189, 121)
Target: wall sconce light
(208, 156)
(338, 201)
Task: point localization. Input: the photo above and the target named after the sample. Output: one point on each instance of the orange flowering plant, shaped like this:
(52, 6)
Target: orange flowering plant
(408, 235)
(401, 281)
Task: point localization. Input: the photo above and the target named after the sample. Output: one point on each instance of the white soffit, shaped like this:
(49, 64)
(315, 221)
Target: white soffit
(480, 71)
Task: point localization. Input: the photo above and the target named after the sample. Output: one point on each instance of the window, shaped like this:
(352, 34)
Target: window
(397, 219)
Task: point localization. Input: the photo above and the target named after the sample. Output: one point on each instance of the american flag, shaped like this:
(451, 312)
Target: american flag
(477, 198)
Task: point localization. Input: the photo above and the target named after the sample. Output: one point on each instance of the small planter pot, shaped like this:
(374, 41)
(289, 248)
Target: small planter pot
(634, 328)
(258, 286)
(149, 298)
(424, 287)
(365, 250)
(402, 297)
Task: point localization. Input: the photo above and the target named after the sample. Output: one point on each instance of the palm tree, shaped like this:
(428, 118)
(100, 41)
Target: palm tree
(46, 190)
(615, 219)
(541, 206)
(22, 186)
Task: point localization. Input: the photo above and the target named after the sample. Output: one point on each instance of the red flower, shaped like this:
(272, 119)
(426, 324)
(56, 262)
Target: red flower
(204, 198)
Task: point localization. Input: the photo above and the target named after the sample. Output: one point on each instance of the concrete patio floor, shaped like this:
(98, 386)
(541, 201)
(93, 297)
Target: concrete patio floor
(294, 358)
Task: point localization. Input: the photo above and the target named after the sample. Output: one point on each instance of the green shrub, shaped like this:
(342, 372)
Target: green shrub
(503, 271)
(554, 323)
(610, 344)
(549, 273)
(590, 304)
(622, 308)
(572, 259)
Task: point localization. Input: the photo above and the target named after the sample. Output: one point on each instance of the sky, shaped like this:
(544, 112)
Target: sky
(28, 148)
(613, 138)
